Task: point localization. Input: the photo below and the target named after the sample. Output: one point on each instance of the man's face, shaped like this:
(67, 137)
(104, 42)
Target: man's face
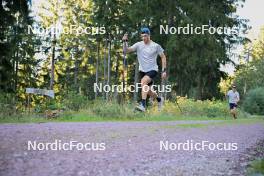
(234, 89)
(145, 38)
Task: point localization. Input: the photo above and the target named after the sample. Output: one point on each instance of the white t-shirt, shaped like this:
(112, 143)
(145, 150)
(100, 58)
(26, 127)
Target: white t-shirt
(147, 55)
(233, 97)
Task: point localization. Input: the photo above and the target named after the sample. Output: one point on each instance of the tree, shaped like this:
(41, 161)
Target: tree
(250, 73)
(19, 66)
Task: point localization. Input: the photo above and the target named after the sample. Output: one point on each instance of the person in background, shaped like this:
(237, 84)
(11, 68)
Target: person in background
(233, 99)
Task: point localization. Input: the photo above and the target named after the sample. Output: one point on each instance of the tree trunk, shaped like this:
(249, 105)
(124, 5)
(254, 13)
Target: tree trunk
(76, 70)
(108, 67)
(52, 62)
(200, 84)
(16, 71)
(116, 97)
(67, 78)
(97, 64)
(105, 66)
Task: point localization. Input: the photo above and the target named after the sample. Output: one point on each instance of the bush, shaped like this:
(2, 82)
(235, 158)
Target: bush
(7, 104)
(254, 101)
(205, 108)
(113, 110)
(75, 102)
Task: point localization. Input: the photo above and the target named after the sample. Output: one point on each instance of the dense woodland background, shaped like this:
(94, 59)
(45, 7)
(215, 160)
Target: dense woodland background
(70, 64)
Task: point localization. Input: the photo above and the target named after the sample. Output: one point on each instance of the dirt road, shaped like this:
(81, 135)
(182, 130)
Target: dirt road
(128, 148)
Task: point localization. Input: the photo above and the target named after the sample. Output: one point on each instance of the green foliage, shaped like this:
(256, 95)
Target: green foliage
(206, 108)
(250, 76)
(7, 105)
(194, 73)
(79, 109)
(258, 46)
(193, 60)
(198, 71)
(108, 110)
(226, 84)
(254, 101)
(190, 108)
(75, 101)
(256, 168)
(113, 110)
(17, 48)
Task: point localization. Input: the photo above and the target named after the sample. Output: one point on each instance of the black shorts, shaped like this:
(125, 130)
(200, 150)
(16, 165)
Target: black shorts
(152, 74)
(232, 105)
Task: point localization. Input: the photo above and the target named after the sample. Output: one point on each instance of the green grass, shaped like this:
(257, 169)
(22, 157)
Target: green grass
(83, 116)
(102, 111)
(256, 168)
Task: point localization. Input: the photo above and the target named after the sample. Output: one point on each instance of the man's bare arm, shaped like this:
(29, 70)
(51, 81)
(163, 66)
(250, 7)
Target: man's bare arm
(126, 48)
(164, 66)
(163, 61)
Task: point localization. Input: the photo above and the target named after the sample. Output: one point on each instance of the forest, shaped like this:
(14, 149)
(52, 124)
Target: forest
(68, 46)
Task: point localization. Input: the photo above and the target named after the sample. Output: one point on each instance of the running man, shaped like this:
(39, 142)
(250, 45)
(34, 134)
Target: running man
(233, 99)
(147, 52)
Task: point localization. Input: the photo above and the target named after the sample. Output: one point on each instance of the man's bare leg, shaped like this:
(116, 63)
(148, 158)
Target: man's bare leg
(235, 113)
(231, 112)
(144, 92)
(154, 95)
(144, 83)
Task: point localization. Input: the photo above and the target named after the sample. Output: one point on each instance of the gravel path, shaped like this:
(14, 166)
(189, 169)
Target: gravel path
(131, 148)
